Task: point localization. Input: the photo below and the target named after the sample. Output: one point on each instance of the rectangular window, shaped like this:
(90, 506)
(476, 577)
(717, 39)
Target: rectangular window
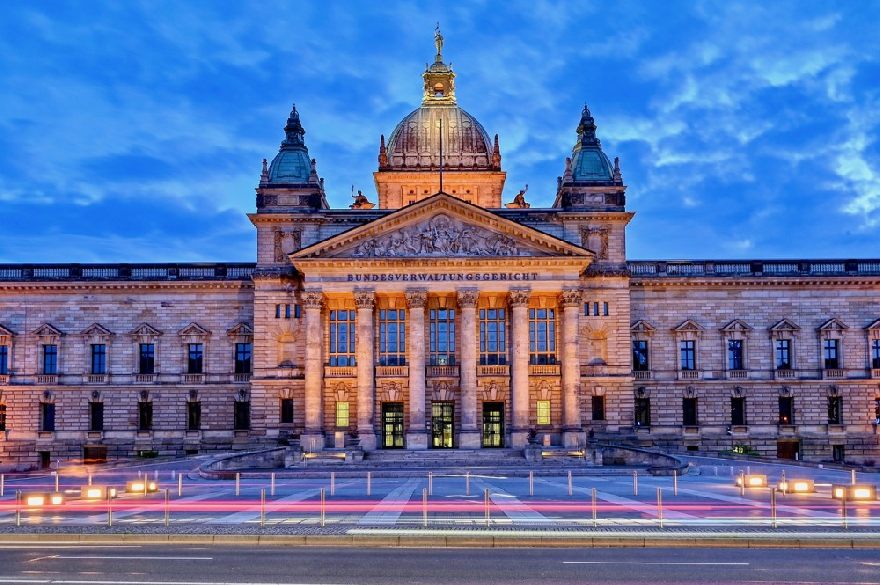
(838, 453)
(145, 416)
(875, 354)
(735, 354)
(605, 312)
(738, 410)
(643, 412)
(586, 309)
(342, 338)
(297, 312)
(193, 416)
(195, 358)
(47, 417)
(542, 408)
(598, 408)
(835, 410)
(783, 354)
(277, 311)
(595, 309)
(688, 352)
(96, 416)
(342, 414)
(287, 311)
(99, 358)
(831, 353)
(243, 353)
(542, 336)
(786, 410)
(689, 412)
(640, 355)
(442, 336)
(392, 337)
(50, 359)
(493, 337)
(4, 360)
(241, 412)
(2, 417)
(146, 358)
(287, 411)
(877, 411)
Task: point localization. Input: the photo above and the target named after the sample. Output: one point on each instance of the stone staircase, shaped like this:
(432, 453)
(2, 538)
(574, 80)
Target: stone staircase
(440, 458)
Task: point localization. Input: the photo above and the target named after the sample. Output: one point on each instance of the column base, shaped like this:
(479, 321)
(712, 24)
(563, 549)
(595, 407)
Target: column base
(469, 440)
(417, 441)
(519, 439)
(572, 439)
(368, 441)
(312, 441)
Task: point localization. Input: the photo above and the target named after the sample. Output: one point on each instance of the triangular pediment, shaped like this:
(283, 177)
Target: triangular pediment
(689, 325)
(6, 332)
(874, 326)
(737, 325)
(441, 227)
(145, 330)
(47, 330)
(194, 330)
(785, 325)
(833, 325)
(240, 330)
(96, 329)
(641, 327)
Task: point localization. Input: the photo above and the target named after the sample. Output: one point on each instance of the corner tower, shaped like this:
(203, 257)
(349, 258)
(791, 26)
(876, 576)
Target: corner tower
(410, 162)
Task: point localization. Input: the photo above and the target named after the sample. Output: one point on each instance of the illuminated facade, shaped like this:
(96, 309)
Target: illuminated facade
(442, 317)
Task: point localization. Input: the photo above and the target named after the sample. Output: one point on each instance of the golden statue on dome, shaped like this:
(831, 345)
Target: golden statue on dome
(438, 42)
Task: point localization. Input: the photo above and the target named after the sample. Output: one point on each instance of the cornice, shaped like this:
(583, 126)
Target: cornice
(125, 285)
(661, 282)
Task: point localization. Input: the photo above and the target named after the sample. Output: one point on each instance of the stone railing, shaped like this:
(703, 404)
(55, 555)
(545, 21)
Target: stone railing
(144, 378)
(737, 374)
(493, 370)
(875, 373)
(641, 374)
(392, 371)
(784, 373)
(47, 378)
(96, 378)
(441, 371)
(340, 371)
(544, 370)
(193, 378)
(688, 374)
(4, 379)
(760, 268)
(133, 272)
(833, 373)
(241, 378)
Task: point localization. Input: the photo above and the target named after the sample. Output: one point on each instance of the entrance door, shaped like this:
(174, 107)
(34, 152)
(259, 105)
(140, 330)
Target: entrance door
(788, 449)
(441, 424)
(392, 425)
(493, 424)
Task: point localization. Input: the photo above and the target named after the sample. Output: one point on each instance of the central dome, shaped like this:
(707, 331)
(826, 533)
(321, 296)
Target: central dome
(415, 142)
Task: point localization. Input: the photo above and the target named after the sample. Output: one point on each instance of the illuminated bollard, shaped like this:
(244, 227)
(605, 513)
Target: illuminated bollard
(237, 484)
(531, 483)
(179, 485)
(486, 507)
(742, 484)
(467, 483)
(430, 483)
(852, 476)
(18, 508)
(167, 509)
(773, 507)
(323, 505)
(660, 506)
(90, 478)
(2, 485)
(843, 509)
(109, 509)
(595, 510)
(262, 507)
(570, 487)
(332, 483)
(156, 475)
(369, 483)
(57, 482)
(424, 508)
(272, 484)
(635, 483)
(674, 482)
(783, 483)
(716, 470)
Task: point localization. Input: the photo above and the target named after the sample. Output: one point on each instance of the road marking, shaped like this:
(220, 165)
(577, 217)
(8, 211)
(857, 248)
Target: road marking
(511, 506)
(129, 557)
(383, 512)
(653, 563)
(120, 582)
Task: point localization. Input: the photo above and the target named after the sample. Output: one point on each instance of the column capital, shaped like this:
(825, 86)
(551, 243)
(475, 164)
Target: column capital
(364, 299)
(467, 297)
(312, 298)
(416, 297)
(570, 297)
(518, 297)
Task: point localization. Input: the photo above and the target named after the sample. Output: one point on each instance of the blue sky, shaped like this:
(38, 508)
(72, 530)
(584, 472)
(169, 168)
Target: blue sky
(134, 131)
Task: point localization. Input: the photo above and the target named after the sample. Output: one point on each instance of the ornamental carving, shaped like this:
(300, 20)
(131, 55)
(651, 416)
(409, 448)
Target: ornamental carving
(596, 239)
(312, 299)
(439, 236)
(467, 297)
(364, 299)
(518, 297)
(570, 297)
(286, 242)
(416, 297)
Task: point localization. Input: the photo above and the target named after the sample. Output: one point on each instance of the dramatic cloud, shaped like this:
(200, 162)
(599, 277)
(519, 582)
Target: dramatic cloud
(134, 131)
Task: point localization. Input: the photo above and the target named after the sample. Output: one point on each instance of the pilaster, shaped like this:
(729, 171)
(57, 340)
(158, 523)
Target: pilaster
(313, 303)
(469, 436)
(416, 436)
(365, 300)
(518, 298)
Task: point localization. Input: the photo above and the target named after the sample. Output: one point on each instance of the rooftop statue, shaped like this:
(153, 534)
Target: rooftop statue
(438, 42)
(519, 201)
(361, 201)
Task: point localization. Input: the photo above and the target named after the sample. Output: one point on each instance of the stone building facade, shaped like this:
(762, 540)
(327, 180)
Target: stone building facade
(440, 318)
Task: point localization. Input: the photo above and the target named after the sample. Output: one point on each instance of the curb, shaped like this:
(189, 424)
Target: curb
(456, 541)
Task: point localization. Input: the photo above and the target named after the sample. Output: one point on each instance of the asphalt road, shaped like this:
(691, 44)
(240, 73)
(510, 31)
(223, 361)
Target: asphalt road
(158, 565)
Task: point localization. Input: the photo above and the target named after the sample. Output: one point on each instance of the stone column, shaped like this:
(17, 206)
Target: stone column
(313, 302)
(519, 366)
(416, 436)
(469, 436)
(366, 365)
(572, 431)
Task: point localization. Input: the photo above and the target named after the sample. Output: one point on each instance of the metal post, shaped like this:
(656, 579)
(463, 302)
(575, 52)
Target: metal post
(272, 484)
(332, 483)
(716, 470)
(57, 481)
(660, 506)
(146, 484)
(167, 509)
(467, 483)
(90, 478)
(18, 507)
(773, 507)
(748, 469)
(109, 510)
(156, 475)
(635, 483)
(486, 506)
(843, 509)
(784, 483)
(674, 482)
(262, 507)
(179, 485)
(369, 483)
(531, 483)
(430, 483)
(742, 484)
(237, 483)
(2, 485)
(595, 515)
(852, 476)
(425, 508)
(323, 504)
(569, 483)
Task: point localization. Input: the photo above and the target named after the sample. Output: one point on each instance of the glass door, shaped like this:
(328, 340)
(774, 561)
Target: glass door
(442, 414)
(493, 424)
(392, 425)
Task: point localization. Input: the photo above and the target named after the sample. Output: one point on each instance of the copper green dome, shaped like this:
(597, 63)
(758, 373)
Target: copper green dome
(291, 166)
(588, 163)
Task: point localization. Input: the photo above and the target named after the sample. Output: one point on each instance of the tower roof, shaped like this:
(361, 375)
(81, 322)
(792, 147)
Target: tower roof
(291, 165)
(588, 163)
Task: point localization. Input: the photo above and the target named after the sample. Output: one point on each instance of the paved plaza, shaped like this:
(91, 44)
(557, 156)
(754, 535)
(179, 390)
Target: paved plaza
(705, 497)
